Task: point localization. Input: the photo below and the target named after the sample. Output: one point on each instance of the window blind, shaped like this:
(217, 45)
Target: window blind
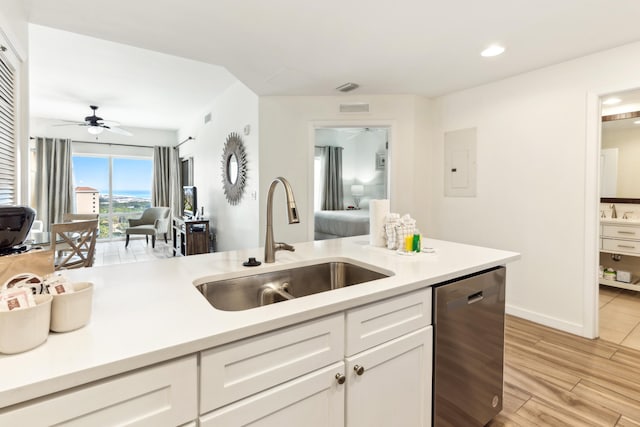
(7, 131)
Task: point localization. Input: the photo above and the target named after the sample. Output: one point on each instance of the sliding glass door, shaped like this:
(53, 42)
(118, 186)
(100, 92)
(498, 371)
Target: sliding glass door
(115, 187)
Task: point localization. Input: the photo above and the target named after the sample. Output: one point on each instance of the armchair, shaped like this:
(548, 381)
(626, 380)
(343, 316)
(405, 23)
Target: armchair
(154, 221)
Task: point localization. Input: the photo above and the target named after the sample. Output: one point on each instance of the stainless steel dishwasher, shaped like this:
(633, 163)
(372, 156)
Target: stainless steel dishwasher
(469, 349)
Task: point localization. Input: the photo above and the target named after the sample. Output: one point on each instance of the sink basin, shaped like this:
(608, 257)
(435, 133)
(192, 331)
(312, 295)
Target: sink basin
(242, 293)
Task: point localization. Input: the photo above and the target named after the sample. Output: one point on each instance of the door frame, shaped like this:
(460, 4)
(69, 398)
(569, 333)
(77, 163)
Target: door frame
(332, 124)
(593, 142)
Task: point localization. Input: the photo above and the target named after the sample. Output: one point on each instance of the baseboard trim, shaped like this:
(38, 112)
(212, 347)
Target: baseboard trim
(552, 322)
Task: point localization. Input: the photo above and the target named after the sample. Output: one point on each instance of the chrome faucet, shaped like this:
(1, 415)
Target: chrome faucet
(271, 247)
(614, 214)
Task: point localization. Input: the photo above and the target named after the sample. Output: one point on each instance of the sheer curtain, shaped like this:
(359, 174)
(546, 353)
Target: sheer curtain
(332, 193)
(166, 178)
(53, 181)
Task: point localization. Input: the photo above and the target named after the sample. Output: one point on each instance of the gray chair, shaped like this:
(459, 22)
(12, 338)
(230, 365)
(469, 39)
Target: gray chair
(154, 221)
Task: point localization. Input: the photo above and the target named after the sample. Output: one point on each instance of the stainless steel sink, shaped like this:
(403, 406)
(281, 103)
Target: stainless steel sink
(242, 293)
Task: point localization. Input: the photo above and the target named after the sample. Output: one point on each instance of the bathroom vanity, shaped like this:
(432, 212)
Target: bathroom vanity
(620, 237)
(156, 352)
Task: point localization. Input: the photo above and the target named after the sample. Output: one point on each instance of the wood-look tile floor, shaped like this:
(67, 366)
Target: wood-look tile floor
(557, 379)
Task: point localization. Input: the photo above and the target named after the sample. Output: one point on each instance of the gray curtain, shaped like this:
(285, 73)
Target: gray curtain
(176, 190)
(332, 187)
(161, 189)
(53, 181)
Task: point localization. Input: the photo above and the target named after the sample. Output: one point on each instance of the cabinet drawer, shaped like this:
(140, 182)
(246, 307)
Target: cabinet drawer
(233, 371)
(621, 232)
(162, 395)
(383, 321)
(312, 400)
(615, 245)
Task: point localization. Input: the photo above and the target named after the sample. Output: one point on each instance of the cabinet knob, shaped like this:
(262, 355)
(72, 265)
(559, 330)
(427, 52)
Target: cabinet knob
(340, 378)
(359, 369)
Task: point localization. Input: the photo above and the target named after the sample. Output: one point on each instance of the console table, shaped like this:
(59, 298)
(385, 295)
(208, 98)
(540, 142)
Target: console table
(190, 236)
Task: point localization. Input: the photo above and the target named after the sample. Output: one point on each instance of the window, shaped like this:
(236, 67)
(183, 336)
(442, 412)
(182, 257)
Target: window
(117, 188)
(7, 129)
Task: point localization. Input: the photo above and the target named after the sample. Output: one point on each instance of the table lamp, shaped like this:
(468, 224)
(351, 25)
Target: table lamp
(357, 191)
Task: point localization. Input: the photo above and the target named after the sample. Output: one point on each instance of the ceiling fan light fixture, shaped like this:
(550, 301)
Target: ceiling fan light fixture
(95, 130)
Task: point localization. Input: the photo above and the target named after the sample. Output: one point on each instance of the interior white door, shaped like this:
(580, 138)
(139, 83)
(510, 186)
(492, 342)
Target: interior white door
(390, 385)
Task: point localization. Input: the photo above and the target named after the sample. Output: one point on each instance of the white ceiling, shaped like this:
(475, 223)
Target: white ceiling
(293, 47)
(133, 86)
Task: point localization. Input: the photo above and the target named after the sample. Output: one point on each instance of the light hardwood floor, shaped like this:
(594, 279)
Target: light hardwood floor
(557, 379)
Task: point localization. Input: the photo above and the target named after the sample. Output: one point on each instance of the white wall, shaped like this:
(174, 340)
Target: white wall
(13, 27)
(286, 149)
(627, 141)
(536, 179)
(236, 227)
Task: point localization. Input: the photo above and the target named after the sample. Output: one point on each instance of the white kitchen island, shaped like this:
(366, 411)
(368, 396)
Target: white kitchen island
(156, 352)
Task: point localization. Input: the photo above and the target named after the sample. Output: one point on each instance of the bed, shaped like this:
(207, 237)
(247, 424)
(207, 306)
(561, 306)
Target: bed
(333, 224)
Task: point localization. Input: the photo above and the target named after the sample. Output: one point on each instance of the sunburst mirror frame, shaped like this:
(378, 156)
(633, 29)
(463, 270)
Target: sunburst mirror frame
(234, 152)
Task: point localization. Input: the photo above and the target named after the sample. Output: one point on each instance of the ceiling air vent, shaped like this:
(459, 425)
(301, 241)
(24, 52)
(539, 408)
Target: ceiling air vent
(357, 107)
(347, 87)
(207, 118)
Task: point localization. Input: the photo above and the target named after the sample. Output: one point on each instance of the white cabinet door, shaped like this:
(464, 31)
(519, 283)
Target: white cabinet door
(161, 395)
(313, 400)
(393, 386)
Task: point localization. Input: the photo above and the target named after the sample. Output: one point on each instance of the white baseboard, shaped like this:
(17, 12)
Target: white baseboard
(552, 322)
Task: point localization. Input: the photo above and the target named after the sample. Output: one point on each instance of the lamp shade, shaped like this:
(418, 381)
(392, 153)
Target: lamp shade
(357, 190)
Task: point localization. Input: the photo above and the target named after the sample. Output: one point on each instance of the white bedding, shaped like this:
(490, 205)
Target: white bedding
(332, 224)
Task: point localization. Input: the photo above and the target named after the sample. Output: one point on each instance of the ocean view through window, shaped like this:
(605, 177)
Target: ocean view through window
(117, 188)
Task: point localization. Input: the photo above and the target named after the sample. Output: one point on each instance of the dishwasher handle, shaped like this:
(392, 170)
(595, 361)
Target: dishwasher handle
(474, 298)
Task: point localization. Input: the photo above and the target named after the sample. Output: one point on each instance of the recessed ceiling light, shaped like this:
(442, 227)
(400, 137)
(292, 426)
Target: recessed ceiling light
(493, 50)
(611, 101)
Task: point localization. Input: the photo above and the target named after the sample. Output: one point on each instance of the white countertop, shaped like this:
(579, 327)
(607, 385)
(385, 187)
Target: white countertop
(148, 312)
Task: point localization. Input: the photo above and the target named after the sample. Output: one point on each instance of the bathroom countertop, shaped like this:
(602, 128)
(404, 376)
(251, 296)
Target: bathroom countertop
(149, 312)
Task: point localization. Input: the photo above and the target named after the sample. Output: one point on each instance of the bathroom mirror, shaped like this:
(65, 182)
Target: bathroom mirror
(234, 168)
(620, 156)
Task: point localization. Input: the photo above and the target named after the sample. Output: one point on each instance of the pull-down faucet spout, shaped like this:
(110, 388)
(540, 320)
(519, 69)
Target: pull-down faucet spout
(271, 247)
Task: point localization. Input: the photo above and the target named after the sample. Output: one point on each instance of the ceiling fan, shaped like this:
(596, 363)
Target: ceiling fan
(96, 125)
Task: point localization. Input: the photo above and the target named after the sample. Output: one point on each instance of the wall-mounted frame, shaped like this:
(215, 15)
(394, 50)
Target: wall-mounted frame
(381, 160)
(234, 168)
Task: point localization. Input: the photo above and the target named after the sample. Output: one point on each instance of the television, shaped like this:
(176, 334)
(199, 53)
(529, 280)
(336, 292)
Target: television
(189, 201)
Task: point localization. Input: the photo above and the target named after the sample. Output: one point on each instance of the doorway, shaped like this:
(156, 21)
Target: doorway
(619, 208)
(350, 166)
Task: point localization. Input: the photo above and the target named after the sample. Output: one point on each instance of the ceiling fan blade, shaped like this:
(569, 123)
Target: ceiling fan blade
(118, 130)
(108, 123)
(70, 124)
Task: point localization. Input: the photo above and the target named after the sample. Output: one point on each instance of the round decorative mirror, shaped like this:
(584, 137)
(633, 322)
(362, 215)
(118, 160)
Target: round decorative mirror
(234, 168)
